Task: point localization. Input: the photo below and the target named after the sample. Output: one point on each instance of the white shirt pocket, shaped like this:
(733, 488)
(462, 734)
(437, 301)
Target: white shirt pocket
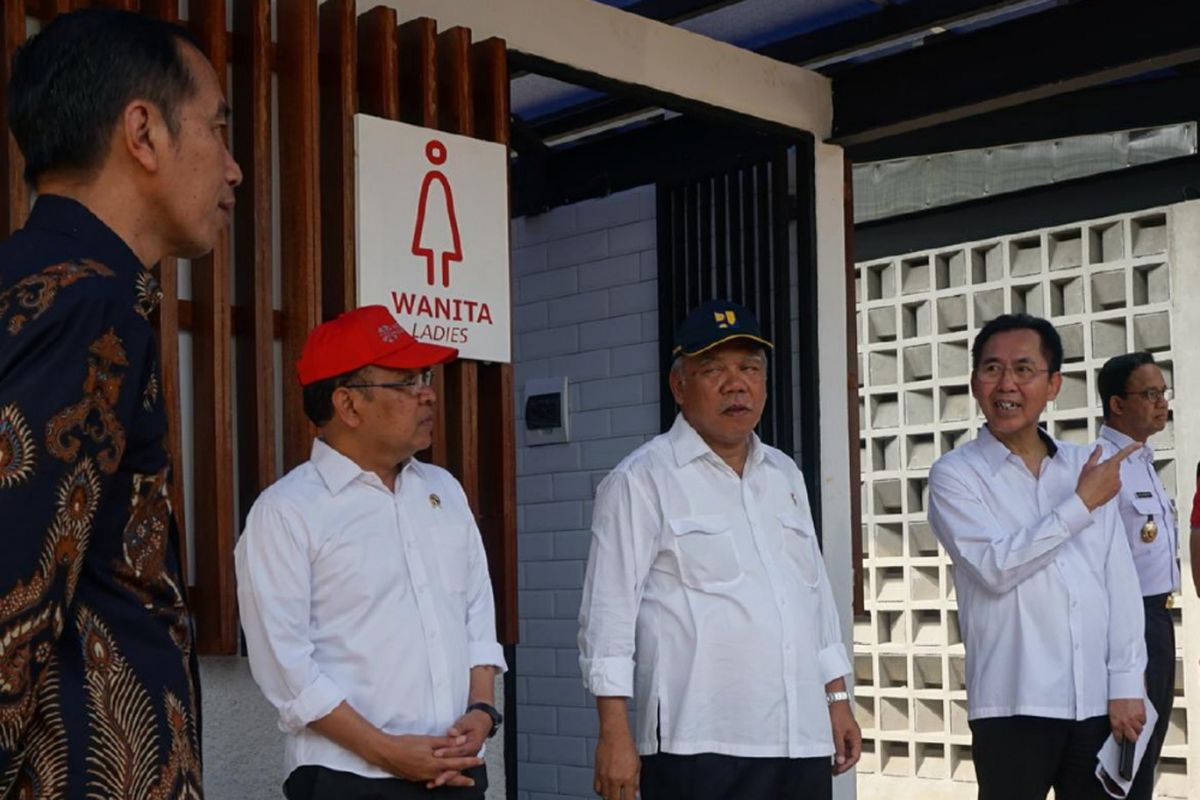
(800, 545)
(705, 550)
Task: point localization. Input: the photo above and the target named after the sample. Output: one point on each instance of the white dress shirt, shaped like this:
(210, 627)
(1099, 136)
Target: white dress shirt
(1144, 497)
(1048, 598)
(352, 592)
(717, 584)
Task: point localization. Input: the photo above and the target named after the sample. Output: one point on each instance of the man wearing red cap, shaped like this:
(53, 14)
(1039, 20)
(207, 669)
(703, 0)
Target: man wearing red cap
(363, 584)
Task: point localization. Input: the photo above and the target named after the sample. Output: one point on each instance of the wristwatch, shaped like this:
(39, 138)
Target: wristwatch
(491, 711)
(836, 697)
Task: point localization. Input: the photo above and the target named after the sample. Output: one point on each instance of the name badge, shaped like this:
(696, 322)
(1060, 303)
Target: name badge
(1144, 495)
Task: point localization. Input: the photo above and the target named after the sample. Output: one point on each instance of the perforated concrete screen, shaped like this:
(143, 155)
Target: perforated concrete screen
(1108, 287)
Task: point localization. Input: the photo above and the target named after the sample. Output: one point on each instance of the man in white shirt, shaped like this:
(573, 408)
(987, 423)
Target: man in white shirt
(705, 569)
(1048, 598)
(363, 584)
(1135, 396)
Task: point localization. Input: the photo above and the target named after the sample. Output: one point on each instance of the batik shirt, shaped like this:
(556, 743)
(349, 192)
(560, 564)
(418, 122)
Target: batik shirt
(98, 693)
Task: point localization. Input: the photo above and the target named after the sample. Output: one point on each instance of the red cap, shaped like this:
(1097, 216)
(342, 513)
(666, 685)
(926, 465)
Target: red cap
(367, 336)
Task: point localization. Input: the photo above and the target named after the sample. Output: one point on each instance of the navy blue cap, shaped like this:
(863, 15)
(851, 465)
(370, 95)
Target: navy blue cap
(713, 323)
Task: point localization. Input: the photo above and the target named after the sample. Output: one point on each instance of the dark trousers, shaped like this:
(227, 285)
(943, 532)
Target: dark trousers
(709, 776)
(321, 783)
(1160, 688)
(1024, 757)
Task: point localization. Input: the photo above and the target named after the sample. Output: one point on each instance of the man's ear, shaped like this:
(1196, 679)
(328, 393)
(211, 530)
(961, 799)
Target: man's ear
(343, 407)
(675, 379)
(142, 131)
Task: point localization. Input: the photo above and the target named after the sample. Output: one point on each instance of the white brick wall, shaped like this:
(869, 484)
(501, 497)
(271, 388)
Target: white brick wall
(1107, 286)
(586, 303)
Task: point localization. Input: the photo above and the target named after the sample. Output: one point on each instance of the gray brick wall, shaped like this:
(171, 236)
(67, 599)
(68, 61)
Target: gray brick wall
(586, 304)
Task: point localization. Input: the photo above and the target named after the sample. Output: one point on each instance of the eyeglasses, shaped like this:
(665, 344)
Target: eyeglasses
(1153, 395)
(993, 372)
(412, 385)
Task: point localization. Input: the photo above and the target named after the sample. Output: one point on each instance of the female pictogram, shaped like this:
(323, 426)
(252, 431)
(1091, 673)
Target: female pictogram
(435, 237)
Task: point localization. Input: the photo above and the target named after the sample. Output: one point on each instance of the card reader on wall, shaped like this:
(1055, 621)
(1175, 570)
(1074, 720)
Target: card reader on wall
(546, 411)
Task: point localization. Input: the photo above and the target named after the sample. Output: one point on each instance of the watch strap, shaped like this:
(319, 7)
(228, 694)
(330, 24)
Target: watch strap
(491, 711)
(837, 697)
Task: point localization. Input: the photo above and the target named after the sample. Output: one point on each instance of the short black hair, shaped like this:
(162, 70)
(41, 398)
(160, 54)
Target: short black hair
(1114, 375)
(1052, 349)
(317, 397)
(71, 81)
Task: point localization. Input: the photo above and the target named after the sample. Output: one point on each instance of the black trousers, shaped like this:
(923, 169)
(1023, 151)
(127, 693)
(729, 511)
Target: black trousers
(1160, 688)
(321, 783)
(1022, 758)
(709, 776)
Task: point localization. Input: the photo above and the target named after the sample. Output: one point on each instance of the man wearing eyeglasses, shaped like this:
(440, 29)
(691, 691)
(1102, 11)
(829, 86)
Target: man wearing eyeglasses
(363, 584)
(1135, 396)
(1049, 603)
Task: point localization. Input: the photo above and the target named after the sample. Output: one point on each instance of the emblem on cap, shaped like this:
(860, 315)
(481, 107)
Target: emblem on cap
(435, 501)
(724, 318)
(389, 333)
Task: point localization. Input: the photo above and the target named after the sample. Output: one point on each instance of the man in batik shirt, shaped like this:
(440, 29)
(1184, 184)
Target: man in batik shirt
(121, 122)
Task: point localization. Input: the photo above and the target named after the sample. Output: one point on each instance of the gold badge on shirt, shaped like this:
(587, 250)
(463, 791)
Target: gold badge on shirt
(1149, 530)
(435, 501)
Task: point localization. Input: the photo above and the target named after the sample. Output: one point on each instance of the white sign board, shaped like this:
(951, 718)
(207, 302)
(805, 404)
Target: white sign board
(432, 224)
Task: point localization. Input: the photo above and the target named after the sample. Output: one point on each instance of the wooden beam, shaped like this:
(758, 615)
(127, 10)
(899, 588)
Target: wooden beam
(300, 243)
(255, 336)
(339, 102)
(497, 433)
(15, 195)
(212, 402)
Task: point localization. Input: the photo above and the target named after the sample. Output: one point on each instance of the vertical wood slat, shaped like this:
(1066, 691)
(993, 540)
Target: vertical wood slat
(497, 438)
(253, 247)
(460, 403)
(213, 400)
(339, 100)
(14, 196)
(378, 65)
(167, 319)
(416, 43)
(300, 253)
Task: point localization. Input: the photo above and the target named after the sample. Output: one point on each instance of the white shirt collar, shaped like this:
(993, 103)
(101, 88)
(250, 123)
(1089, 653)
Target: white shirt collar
(995, 452)
(687, 444)
(338, 471)
(1123, 440)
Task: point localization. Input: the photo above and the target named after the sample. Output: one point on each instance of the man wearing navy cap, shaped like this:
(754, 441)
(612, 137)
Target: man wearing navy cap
(363, 584)
(706, 598)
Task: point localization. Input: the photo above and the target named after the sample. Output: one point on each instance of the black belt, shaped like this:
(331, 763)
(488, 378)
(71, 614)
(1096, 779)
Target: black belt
(1157, 600)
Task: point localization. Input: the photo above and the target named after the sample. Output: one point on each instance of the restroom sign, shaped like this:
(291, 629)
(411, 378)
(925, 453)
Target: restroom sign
(432, 226)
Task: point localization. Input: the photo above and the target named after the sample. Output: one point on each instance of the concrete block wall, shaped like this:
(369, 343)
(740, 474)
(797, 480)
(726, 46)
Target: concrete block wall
(1107, 286)
(585, 307)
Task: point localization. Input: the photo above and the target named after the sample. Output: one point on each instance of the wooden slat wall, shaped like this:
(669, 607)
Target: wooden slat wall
(328, 64)
(339, 101)
(212, 400)
(300, 249)
(253, 252)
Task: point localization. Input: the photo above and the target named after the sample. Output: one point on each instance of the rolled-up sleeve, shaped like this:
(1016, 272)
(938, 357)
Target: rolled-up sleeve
(625, 528)
(482, 648)
(831, 657)
(273, 575)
